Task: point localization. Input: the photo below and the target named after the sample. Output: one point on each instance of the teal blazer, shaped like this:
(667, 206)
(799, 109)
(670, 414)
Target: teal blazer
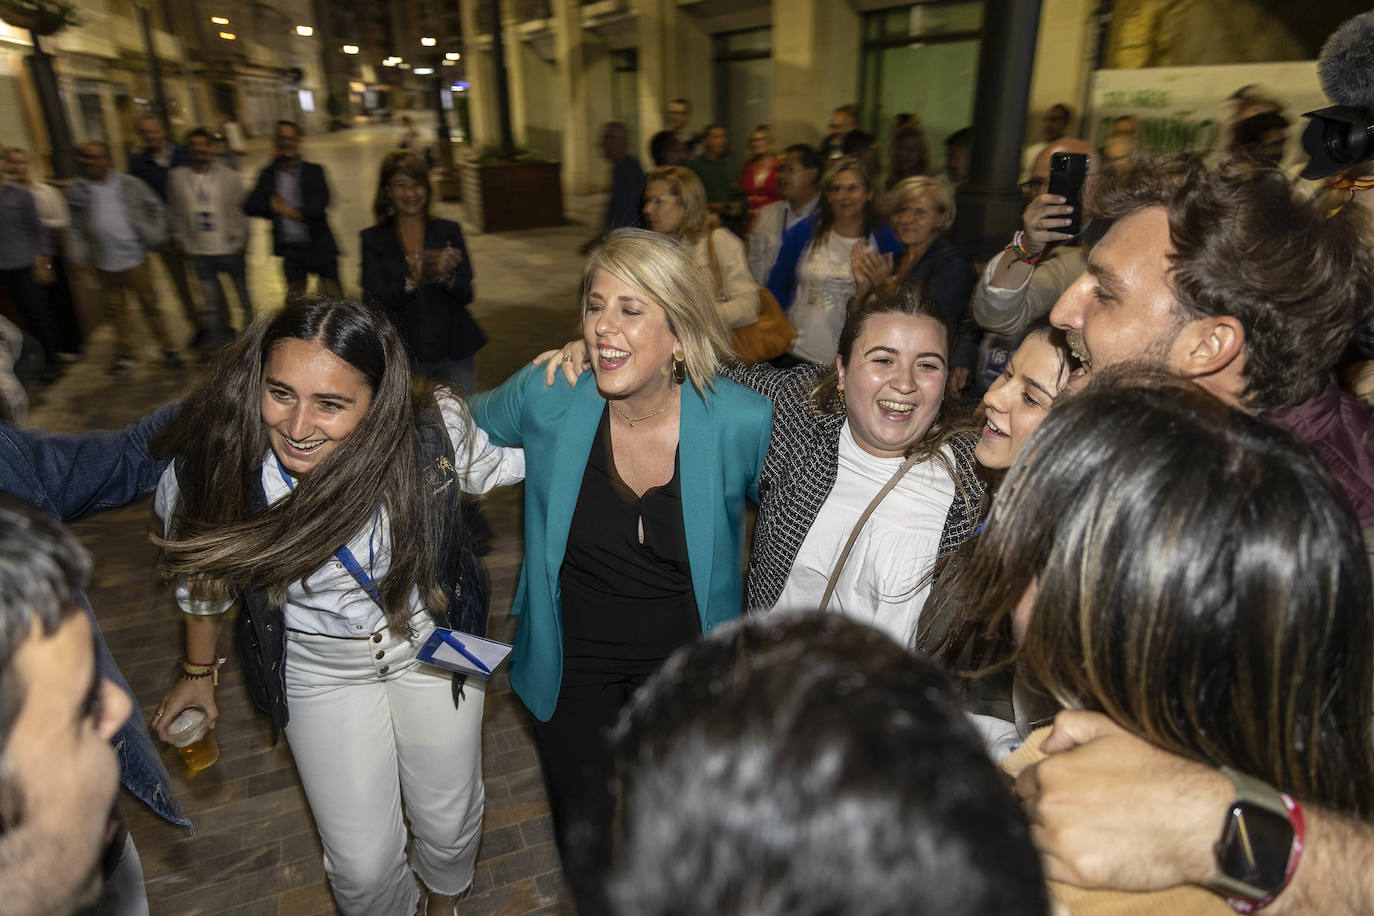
(722, 441)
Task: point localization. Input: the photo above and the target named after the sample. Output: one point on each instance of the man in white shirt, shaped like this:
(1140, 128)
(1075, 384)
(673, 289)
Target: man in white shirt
(799, 176)
(205, 204)
(115, 220)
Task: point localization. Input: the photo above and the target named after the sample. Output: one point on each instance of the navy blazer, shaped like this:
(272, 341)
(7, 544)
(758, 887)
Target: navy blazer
(433, 318)
(782, 279)
(314, 203)
(145, 167)
(722, 440)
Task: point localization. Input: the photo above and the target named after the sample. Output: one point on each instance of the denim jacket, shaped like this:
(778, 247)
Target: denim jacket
(71, 476)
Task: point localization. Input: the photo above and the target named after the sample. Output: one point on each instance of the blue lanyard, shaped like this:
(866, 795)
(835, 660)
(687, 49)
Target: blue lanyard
(345, 555)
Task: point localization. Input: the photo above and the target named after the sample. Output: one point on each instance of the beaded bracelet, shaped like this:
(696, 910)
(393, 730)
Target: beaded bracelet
(1022, 254)
(193, 672)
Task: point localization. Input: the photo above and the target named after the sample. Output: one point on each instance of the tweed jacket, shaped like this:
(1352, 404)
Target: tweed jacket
(799, 473)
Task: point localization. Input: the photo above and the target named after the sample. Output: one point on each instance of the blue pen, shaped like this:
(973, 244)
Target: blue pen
(462, 650)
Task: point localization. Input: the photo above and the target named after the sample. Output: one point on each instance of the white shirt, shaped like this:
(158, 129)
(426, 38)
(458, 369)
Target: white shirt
(205, 210)
(120, 247)
(825, 284)
(883, 582)
(329, 601)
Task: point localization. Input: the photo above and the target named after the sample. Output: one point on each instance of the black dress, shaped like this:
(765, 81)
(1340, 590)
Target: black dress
(627, 605)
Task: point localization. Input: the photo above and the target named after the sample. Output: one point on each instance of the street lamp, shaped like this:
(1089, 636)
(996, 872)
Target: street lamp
(304, 31)
(429, 41)
(349, 49)
(219, 20)
(228, 36)
(453, 55)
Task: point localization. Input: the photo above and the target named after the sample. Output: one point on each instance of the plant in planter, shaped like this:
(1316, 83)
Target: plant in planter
(517, 191)
(41, 17)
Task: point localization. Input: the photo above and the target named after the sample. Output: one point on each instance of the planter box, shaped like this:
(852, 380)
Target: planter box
(505, 196)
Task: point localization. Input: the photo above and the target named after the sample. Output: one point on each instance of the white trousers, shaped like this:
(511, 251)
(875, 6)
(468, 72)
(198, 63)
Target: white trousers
(372, 729)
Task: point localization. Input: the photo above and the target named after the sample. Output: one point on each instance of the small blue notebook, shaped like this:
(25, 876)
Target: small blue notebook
(454, 650)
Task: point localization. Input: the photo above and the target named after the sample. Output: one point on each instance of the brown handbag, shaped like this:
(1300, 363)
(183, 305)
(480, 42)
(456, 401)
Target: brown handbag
(769, 336)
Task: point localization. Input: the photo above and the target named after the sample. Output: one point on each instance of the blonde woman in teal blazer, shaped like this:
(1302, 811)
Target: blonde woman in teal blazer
(592, 586)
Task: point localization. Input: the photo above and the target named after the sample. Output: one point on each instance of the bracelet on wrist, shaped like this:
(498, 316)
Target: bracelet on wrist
(1020, 253)
(192, 672)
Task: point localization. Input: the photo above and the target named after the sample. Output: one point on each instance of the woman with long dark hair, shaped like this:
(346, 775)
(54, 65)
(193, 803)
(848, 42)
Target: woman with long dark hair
(316, 487)
(416, 267)
(1196, 575)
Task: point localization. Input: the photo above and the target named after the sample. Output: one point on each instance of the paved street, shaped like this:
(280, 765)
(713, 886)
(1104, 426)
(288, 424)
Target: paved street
(255, 850)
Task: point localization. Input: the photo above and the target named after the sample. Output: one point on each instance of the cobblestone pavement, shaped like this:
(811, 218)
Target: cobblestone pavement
(255, 850)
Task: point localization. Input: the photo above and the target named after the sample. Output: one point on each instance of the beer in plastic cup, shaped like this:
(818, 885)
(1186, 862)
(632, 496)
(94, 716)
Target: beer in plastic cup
(194, 739)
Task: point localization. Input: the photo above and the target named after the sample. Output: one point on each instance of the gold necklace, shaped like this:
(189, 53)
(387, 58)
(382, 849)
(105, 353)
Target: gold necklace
(633, 420)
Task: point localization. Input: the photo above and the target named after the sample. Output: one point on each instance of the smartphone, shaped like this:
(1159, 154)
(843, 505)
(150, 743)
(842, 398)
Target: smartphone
(1067, 174)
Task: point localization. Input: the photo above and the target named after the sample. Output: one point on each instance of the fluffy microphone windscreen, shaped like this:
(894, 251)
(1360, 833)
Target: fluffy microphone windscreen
(1346, 63)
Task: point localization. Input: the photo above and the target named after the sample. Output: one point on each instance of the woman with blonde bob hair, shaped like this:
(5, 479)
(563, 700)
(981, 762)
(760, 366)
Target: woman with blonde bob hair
(675, 205)
(1193, 573)
(633, 544)
(921, 210)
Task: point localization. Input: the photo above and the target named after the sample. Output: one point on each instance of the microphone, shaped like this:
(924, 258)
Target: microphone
(1342, 135)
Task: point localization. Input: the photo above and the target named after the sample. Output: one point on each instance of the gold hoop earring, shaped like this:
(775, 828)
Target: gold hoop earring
(679, 369)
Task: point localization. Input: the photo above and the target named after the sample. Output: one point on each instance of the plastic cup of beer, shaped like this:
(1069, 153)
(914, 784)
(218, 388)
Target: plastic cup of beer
(194, 739)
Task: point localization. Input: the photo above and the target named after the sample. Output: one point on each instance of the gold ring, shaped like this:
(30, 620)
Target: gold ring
(157, 715)
(567, 357)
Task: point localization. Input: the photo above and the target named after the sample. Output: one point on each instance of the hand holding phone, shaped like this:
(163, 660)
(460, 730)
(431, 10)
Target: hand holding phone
(1068, 171)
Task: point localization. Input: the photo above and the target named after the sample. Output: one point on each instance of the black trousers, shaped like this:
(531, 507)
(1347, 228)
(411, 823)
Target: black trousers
(575, 754)
(38, 321)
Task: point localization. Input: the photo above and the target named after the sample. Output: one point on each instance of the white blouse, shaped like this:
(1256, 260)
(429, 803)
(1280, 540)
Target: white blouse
(329, 601)
(883, 581)
(825, 284)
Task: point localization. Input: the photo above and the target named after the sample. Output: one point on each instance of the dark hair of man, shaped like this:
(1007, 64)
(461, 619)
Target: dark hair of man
(659, 144)
(826, 217)
(856, 143)
(42, 574)
(961, 138)
(221, 440)
(1201, 579)
(714, 125)
(1063, 109)
(1246, 245)
(399, 162)
(850, 109)
(685, 103)
(199, 132)
(895, 172)
(296, 128)
(806, 156)
(1253, 128)
(807, 765)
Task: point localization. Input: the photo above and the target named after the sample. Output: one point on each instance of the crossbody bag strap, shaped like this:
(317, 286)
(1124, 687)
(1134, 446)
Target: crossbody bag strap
(858, 526)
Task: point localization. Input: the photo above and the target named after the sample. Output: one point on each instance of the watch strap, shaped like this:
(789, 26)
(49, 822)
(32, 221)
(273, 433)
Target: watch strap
(1240, 896)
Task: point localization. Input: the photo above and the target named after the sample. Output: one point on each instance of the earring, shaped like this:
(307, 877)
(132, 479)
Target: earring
(679, 369)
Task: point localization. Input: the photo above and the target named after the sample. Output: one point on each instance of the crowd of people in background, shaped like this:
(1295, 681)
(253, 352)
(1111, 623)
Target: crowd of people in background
(1092, 513)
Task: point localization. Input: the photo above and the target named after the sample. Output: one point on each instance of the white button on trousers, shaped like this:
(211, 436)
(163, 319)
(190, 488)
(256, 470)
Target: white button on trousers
(373, 730)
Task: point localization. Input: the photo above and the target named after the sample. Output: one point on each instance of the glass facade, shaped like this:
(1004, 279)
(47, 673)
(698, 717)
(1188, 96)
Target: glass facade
(921, 60)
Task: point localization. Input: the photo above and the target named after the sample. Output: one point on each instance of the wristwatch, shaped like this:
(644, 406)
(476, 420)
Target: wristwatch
(1256, 846)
